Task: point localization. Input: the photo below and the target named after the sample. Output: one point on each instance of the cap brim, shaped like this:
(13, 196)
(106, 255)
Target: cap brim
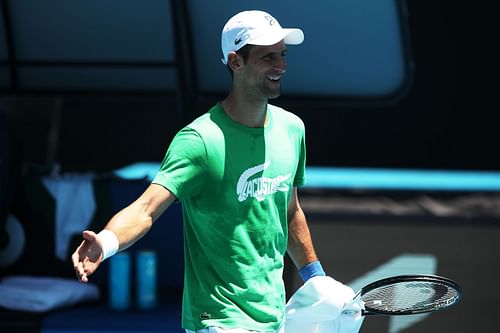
(294, 36)
(291, 36)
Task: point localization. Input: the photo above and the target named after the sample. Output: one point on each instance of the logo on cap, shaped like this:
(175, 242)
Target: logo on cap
(237, 41)
(270, 20)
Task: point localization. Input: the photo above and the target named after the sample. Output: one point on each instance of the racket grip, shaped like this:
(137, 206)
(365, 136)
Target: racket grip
(363, 313)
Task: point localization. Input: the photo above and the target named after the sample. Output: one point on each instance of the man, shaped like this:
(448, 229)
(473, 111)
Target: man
(236, 170)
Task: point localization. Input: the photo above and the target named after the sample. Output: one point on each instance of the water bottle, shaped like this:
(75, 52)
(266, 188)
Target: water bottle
(146, 280)
(119, 281)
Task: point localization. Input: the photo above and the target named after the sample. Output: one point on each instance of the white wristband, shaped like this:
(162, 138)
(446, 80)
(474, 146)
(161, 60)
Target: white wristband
(109, 243)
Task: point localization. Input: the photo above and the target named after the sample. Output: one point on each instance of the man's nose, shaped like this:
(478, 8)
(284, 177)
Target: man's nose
(281, 63)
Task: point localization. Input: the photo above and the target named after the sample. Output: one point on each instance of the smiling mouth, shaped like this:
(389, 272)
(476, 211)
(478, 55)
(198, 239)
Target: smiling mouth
(274, 78)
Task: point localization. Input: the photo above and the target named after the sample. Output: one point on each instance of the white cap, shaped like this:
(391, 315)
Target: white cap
(257, 28)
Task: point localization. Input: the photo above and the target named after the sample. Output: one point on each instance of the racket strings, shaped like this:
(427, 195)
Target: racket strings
(410, 297)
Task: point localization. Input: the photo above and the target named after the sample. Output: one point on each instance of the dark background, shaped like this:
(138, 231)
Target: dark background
(445, 119)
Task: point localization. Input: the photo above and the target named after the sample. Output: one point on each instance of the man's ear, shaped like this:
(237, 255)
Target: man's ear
(234, 61)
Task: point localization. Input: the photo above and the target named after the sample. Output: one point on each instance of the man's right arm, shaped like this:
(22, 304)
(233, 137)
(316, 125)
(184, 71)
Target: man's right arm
(128, 226)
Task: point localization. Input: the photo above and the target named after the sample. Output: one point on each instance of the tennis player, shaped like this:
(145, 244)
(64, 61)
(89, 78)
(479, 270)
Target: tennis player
(236, 170)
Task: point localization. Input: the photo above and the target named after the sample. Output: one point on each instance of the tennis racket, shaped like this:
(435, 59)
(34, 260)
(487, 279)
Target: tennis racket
(408, 294)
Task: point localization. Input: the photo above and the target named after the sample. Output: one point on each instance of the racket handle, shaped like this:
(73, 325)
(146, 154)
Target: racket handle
(363, 313)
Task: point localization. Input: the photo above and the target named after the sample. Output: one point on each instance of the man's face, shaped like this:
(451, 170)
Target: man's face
(263, 70)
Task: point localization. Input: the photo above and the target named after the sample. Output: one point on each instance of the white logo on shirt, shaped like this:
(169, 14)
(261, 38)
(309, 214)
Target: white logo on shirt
(260, 187)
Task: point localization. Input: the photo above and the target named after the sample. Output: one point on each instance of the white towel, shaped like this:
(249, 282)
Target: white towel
(75, 207)
(323, 305)
(41, 294)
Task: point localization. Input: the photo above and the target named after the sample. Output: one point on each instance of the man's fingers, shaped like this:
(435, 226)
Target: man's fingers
(78, 266)
(84, 268)
(84, 261)
(80, 259)
(89, 235)
(82, 277)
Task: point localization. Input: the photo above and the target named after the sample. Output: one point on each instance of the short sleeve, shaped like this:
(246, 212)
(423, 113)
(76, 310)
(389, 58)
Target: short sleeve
(300, 175)
(183, 168)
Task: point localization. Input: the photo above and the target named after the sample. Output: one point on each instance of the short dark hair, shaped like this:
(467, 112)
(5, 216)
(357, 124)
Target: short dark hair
(244, 52)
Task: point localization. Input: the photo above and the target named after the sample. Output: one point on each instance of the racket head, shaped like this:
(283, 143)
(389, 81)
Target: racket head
(410, 294)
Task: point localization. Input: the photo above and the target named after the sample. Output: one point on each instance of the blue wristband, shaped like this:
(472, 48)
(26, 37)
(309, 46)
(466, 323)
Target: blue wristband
(310, 270)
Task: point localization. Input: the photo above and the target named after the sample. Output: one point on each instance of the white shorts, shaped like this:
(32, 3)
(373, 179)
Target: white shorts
(232, 330)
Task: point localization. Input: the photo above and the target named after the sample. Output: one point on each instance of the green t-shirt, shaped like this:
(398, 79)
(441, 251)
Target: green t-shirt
(235, 183)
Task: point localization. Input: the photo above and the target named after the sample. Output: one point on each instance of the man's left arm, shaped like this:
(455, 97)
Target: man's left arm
(323, 297)
(300, 246)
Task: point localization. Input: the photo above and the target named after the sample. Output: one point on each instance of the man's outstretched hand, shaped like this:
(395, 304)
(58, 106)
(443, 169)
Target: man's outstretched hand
(88, 256)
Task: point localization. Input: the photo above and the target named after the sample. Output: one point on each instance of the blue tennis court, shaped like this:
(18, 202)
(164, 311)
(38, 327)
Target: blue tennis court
(368, 178)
